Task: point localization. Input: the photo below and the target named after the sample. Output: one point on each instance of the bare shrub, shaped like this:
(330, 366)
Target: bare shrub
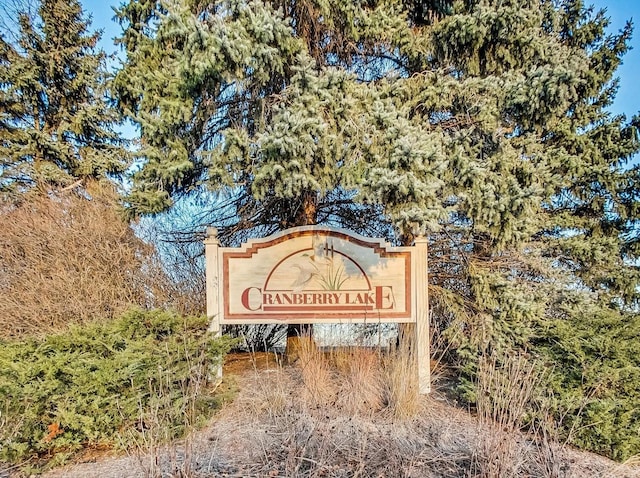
(503, 394)
(181, 255)
(153, 441)
(67, 258)
(257, 337)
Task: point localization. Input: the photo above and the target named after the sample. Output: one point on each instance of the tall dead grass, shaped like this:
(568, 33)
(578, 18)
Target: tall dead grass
(400, 376)
(360, 380)
(332, 415)
(320, 386)
(504, 395)
(71, 258)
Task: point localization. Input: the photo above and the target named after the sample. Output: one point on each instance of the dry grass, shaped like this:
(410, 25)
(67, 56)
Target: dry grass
(503, 394)
(622, 470)
(400, 377)
(289, 438)
(339, 412)
(319, 385)
(292, 423)
(359, 380)
(65, 258)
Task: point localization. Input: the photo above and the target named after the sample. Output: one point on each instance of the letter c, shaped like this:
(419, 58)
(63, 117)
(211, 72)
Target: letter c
(245, 298)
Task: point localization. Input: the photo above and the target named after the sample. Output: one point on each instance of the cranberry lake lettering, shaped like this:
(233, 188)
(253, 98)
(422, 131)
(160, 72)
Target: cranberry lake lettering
(380, 298)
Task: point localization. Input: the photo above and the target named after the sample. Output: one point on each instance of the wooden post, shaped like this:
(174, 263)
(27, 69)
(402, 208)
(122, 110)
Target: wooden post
(422, 315)
(211, 246)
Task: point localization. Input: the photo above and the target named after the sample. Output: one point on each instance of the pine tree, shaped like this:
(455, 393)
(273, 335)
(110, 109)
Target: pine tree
(482, 122)
(56, 123)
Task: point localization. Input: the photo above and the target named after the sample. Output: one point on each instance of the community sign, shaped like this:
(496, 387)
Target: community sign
(316, 274)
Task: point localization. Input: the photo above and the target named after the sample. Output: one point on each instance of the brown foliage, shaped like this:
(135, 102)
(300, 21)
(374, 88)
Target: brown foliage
(71, 258)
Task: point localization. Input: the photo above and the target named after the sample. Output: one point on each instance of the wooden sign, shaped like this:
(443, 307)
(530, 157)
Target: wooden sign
(317, 274)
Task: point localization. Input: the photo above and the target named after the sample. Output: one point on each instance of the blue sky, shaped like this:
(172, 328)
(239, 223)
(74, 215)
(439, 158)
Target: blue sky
(627, 100)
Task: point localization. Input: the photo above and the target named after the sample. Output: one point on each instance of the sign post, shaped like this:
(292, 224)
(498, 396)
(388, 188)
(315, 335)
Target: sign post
(317, 274)
(422, 315)
(211, 247)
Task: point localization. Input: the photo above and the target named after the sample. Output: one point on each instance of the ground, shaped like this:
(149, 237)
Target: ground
(288, 421)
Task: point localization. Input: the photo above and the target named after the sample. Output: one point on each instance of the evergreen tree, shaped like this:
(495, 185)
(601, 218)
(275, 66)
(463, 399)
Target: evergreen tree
(56, 124)
(482, 122)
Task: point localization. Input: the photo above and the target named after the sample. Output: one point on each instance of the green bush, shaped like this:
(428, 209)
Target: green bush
(588, 358)
(93, 384)
(595, 378)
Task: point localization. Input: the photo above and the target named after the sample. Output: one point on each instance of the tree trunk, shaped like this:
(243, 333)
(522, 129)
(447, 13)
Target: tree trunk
(297, 335)
(406, 332)
(305, 214)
